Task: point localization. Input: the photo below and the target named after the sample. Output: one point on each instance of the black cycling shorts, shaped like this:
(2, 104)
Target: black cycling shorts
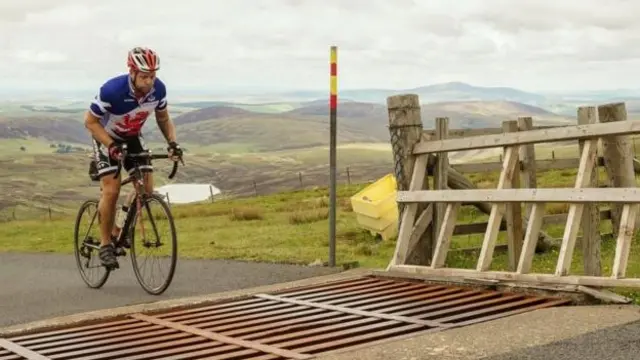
(105, 165)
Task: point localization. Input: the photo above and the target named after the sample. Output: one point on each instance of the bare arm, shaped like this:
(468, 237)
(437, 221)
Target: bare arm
(166, 125)
(92, 123)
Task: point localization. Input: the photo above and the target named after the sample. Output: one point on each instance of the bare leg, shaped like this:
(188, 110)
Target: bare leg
(107, 205)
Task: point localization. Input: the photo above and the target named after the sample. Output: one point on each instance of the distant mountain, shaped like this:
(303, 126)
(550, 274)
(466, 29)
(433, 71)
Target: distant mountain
(49, 128)
(462, 114)
(211, 113)
(453, 91)
(480, 114)
(248, 131)
(450, 91)
(279, 125)
(357, 122)
(351, 109)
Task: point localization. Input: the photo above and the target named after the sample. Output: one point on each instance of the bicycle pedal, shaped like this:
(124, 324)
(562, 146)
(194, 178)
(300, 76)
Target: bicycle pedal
(120, 251)
(112, 267)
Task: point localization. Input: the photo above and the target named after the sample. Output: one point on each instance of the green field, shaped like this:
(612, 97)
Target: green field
(34, 182)
(278, 167)
(292, 227)
(31, 146)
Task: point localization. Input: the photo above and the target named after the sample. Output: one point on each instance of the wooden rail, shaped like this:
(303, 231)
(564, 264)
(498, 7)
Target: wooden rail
(438, 207)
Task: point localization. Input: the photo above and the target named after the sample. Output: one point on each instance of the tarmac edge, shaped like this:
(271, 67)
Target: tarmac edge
(163, 305)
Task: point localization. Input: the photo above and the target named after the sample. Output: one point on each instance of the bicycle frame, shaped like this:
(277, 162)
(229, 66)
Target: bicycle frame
(138, 193)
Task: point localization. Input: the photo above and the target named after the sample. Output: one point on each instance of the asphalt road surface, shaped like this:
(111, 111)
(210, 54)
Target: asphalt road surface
(39, 286)
(615, 343)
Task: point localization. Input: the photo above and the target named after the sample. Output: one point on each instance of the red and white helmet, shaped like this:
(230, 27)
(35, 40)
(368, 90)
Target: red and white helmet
(143, 59)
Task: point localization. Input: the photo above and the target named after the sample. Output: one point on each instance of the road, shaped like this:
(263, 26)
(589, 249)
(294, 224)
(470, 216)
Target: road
(620, 342)
(39, 286)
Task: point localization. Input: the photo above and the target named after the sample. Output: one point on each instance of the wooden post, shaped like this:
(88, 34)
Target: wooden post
(618, 157)
(591, 214)
(528, 178)
(440, 178)
(513, 215)
(405, 130)
(528, 159)
(211, 191)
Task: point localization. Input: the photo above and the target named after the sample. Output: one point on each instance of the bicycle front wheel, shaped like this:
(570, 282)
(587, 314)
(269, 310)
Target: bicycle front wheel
(153, 230)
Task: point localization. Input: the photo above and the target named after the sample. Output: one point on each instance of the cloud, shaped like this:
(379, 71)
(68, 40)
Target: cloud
(285, 43)
(16, 11)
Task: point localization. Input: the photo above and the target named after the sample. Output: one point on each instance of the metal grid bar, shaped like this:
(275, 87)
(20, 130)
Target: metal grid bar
(293, 323)
(19, 350)
(221, 338)
(354, 311)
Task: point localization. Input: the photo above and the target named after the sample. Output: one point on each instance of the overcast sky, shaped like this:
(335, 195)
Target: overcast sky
(276, 44)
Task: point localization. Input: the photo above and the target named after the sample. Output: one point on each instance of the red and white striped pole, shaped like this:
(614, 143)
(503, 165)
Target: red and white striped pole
(333, 107)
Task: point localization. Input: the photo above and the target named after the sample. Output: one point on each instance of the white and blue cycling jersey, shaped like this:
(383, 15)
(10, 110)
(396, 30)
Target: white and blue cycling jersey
(121, 114)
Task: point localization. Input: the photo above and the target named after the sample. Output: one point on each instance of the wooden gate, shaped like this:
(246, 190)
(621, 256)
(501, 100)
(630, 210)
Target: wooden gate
(621, 193)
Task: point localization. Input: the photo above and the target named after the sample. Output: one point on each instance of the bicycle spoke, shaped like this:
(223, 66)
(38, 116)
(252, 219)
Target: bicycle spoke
(154, 225)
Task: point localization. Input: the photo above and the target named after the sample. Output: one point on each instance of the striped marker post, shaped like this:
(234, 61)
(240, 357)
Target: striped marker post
(333, 107)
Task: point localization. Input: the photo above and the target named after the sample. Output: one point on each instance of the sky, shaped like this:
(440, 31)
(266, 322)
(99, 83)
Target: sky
(534, 45)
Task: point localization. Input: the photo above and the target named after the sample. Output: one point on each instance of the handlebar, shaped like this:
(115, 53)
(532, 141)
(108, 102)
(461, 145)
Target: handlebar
(145, 155)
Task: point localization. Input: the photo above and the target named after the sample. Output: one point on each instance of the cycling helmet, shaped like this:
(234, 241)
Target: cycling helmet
(143, 59)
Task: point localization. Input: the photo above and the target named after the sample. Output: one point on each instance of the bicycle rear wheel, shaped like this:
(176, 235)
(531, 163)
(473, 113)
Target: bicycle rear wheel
(153, 228)
(87, 244)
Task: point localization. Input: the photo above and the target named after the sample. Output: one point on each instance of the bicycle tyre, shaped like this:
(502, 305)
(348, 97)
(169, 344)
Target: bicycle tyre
(174, 243)
(76, 244)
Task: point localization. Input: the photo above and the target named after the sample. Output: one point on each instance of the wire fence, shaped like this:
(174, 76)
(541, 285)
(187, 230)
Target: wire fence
(42, 207)
(240, 182)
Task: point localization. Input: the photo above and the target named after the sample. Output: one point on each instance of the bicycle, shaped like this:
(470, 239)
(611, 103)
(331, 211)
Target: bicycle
(137, 199)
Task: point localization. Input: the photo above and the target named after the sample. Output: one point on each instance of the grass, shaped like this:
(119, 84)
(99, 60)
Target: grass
(292, 227)
(29, 188)
(284, 227)
(31, 146)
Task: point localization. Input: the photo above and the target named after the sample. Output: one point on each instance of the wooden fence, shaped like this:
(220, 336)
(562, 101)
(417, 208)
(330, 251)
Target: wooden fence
(428, 217)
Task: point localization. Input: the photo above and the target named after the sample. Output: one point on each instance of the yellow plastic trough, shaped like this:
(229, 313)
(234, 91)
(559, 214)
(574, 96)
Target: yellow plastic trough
(376, 208)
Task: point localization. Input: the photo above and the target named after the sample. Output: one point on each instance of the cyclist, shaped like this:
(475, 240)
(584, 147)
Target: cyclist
(115, 117)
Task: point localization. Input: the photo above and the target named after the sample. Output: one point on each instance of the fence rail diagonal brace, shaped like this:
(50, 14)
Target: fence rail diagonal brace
(21, 351)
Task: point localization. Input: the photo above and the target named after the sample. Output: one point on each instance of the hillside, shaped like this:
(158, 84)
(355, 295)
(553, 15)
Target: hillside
(211, 113)
(28, 189)
(235, 128)
(227, 128)
(50, 128)
(292, 227)
(462, 114)
(449, 91)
